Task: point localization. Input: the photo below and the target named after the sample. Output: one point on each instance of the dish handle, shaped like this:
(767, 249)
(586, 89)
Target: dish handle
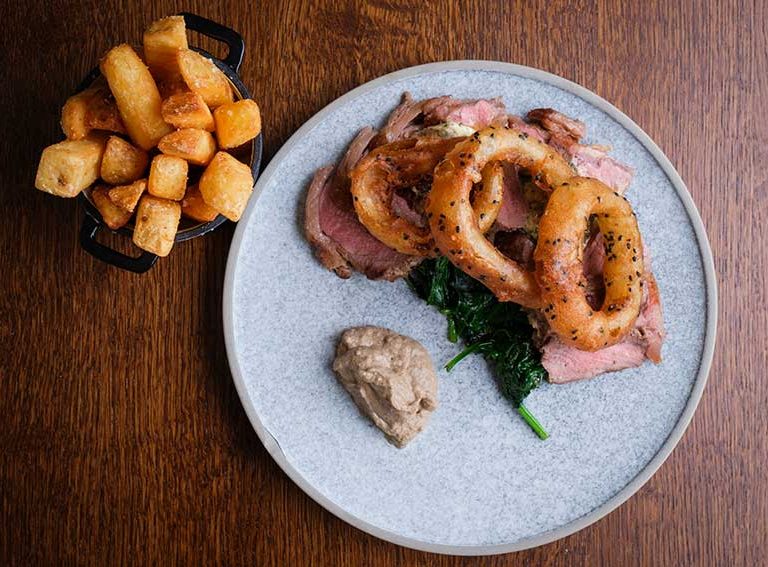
(104, 253)
(232, 39)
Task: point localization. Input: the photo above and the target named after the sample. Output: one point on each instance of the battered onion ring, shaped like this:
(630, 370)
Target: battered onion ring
(559, 264)
(453, 221)
(387, 167)
(405, 163)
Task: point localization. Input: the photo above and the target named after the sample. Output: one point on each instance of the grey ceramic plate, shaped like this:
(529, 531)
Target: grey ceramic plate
(476, 481)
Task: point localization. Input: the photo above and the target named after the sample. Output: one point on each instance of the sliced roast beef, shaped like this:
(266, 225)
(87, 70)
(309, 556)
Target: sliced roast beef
(332, 227)
(532, 130)
(567, 364)
(410, 116)
(405, 205)
(327, 251)
(474, 113)
(404, 120)
(565, 134)
(594, 260)
(650, 323)
(514, 209)
(355, 152)
(563, 129)
(594, 161)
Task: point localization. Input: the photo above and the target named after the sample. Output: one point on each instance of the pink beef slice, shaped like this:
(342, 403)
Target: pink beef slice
(476, 114)
(405, 119)
(557, 123)
(594, 259)
(565, 134)
(514, 209)
(594, 161)
(532, 130)
(567, 364)
(650, 323)
(412, 115)
(331, 226)
(326, 249)
(405, 209)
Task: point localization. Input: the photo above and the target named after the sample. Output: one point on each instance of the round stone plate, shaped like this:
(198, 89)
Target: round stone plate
(476, 480)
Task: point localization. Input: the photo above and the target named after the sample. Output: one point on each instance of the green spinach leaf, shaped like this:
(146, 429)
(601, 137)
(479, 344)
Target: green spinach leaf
(500, 331)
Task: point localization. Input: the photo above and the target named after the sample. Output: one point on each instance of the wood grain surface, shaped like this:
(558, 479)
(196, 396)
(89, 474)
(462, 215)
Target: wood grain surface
(122, 438)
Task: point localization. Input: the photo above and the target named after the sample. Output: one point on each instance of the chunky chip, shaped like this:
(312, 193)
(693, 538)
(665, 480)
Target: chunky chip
(91, 109)
(237, 123)
(136, 95)
(204, 78)
(193, 206)
(122, 162)
(70, 166)
(226, 185)
(127, 196)
(187, 110)
(162, 40)
(192, 144)
(168, 177)
(114, 217)
(156, 223)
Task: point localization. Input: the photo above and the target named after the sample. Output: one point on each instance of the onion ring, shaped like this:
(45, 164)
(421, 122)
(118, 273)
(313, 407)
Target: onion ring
(559, 264)
(406, 163)
(399, 164)
(453, 221)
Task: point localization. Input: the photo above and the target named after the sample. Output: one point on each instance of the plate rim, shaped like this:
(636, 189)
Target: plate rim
(674, 437)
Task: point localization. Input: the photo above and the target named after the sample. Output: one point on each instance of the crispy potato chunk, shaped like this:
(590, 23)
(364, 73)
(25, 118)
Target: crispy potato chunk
(168, 177)
(204, 78)
(162, 40)
(123, 162)
(192, 144)
(136, 95)
(70, 166)
(103, 113)
(187, 110)
(237, 123)
(226, 185)
(193, 206)
(91, 109)
(114, 217)
(127, 196)
(73, 121)
(156, 223)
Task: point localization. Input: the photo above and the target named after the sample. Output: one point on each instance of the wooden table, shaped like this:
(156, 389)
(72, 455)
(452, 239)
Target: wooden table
(122, 437)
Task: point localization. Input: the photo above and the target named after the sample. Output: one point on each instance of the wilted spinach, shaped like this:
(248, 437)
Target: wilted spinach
(498, 330)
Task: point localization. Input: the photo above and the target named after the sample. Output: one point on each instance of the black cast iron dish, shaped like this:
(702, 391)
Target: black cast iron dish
(187, 229)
